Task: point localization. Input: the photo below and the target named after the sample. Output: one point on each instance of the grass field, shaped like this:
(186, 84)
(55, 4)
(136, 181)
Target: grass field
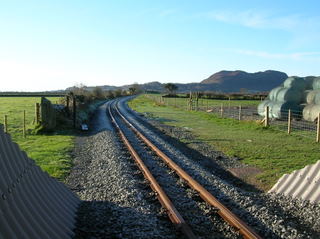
(272, 151)
(51, 152)
(202, 103)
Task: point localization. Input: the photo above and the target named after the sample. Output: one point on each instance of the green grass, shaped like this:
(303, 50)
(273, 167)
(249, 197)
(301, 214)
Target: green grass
(271, 150)
(202, 103)
(51, 152)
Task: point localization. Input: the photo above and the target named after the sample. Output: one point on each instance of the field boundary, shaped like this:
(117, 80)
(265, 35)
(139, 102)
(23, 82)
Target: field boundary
(240, 110)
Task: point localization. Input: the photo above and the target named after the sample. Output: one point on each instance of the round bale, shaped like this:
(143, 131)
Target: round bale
(297, 83)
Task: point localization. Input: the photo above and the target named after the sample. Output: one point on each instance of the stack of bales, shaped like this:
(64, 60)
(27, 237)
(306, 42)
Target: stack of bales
(312, 99)
(288, 96)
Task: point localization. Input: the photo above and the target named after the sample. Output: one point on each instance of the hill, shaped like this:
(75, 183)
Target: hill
(229, 81)
(235, 80)
(223, 81)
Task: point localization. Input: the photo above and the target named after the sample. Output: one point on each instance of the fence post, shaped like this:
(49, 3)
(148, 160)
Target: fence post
(37, 113)
(74, 110)
(318, 128)
(266, 122)
(187, 100)
(240, 112)
(5, 124)
(24, 124)
(221, 111)
(190, 101)
(289, 122)
(197, 100)
(68, 104)
(207, 104)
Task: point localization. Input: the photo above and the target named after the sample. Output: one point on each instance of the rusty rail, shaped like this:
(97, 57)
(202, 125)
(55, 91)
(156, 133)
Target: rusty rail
(172, 212)
(223, 211)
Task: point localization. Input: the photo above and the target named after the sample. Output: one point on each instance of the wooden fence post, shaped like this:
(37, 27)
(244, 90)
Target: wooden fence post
(190, 101)
(24, 124)
(289, 121)
(197, 100)
(74, 111)
(221, 111)
(318, 128)
(68, 104)
(187, 103)
(37, 113)
(5, 124)
(207, 104)
(266, 122)
(240, 112)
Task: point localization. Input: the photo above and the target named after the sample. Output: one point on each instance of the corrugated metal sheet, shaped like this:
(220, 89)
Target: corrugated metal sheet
(303, 183)
(32, 204)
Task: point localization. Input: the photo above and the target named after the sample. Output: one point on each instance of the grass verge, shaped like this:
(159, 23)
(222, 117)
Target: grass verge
(51, 152)
(273, 152)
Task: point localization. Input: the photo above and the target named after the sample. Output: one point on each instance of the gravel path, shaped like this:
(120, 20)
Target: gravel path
(272, 216)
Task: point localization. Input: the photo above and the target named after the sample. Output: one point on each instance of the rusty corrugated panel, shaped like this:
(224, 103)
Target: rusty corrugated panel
(303, 183)
(32, 204)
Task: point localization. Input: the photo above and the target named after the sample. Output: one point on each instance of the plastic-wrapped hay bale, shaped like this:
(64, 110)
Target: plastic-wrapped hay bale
(306, 112)
(316, 83)
(273, 93)
(262, 107)
(289, 95)
(305, 96)
(310, 112)
(309, 82)
(297, 83)
(317, 98)
(310, 96)
(313, 97)
(280, 110)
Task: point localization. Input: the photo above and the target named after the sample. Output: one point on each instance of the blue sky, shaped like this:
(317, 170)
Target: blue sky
(49, 45)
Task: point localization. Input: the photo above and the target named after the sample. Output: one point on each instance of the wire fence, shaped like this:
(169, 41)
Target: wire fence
(244, 110)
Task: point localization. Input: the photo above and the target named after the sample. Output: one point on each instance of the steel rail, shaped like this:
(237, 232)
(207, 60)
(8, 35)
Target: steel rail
(223, 211)
(172, 212)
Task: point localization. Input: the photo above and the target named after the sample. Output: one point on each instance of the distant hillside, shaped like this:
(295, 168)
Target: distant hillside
(229, 81)
(223, 81)
(235, 80)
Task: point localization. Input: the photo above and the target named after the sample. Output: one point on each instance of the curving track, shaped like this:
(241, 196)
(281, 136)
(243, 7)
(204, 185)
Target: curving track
(140, 146)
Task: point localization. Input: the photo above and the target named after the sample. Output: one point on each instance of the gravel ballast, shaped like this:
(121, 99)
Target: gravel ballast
(117, 203)
(271, 215)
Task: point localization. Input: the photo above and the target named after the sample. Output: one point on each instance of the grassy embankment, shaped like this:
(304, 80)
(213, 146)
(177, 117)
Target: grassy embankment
(51, 151)
(272, 151)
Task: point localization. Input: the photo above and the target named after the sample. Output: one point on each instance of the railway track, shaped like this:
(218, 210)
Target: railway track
(140, 147)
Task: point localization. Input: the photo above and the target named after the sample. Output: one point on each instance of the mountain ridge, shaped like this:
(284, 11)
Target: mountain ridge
(222, 81)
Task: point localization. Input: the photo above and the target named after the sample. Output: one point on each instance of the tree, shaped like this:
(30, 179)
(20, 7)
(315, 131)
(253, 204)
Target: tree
(132, 90)
(97, 93)
(171, 88)
(135, 89)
